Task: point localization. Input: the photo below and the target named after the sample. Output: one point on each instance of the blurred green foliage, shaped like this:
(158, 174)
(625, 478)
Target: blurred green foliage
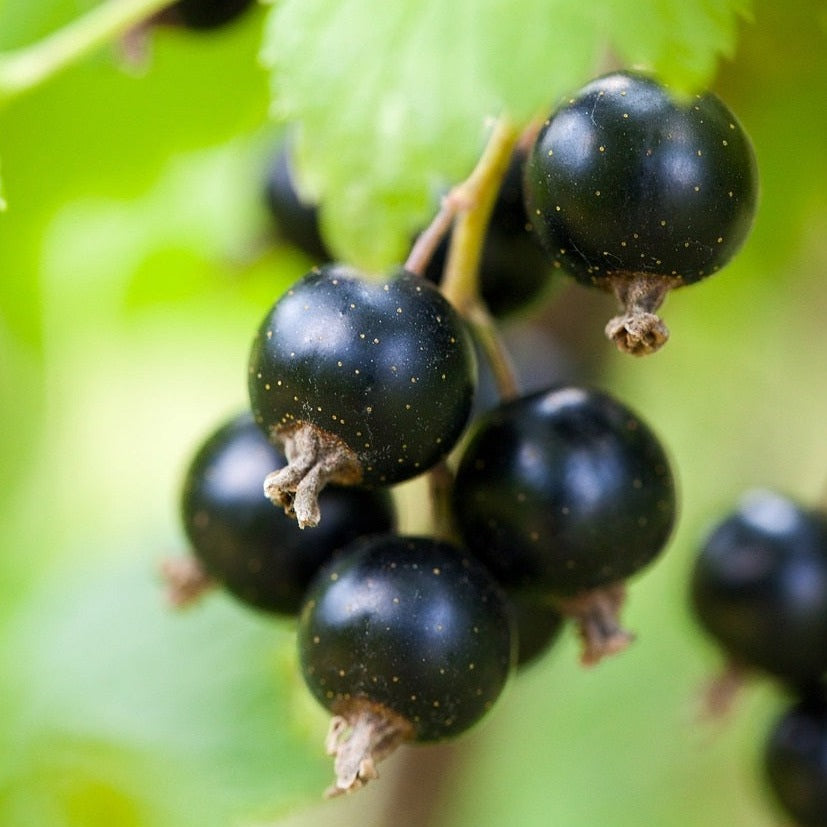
(135, 262)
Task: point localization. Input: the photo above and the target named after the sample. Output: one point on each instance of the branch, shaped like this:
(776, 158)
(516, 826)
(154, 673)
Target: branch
(25, 68)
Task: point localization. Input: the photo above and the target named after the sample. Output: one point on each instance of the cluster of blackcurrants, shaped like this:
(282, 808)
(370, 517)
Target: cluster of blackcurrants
(548, 502)
(759, 588)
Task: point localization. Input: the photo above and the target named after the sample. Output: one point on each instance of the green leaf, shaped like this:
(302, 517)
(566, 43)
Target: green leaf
(682, 41)
(391, 100)
(97, 130)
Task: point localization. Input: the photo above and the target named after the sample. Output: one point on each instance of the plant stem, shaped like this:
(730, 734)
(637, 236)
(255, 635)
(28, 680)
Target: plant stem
(468, 206)
(440, 483)
(475, 199)
(27, 67)
(422, 780)
(496, 353)
(429, 239)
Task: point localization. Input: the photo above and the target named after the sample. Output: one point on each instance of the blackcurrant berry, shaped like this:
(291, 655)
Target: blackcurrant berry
(759, 587)
(564, 494)
(204, 14)
(538, 627)
(514, 269)
(402, 639)
(297, 221)
(362, 382)
(638, 192)
(254, 550)
(795, 758)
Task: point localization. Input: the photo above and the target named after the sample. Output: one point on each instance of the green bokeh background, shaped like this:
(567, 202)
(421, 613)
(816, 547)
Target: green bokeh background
(135, 262)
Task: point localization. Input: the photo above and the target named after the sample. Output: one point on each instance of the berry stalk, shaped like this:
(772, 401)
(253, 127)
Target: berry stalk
(460, 284)
(487, 336)
(468, 207)
(475, 198)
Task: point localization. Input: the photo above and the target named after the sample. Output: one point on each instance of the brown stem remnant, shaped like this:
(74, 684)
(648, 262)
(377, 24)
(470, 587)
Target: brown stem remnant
(185, 580)
(638, 329)
(315, 457)
(360, 736)
(596, 614)
(719, 694)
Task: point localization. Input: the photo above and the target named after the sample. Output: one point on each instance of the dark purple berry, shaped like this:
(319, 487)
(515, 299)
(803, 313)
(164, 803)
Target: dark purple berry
(402, 639)
(204, 14)
(538, 627)
(252, 549)
(759, 587)
(563, 494)
(297, 221)
(361, 381)
(795, 758)
(637, 191)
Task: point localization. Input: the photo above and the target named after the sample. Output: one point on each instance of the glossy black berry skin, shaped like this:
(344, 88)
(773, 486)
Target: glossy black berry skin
(514, 269)
(412, 625)
(297, 222)
(251, 548)
(538, 627)
(759, 587)
(795, 759)
(206, 14)
(564, 491)
(387, 368)
(625, 178)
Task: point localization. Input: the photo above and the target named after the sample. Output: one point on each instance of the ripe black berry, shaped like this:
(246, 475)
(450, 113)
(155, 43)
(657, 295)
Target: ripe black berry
(564, 494)
(538, 627)
(759, 587)
(514, 269)
(363, 382)
(638, 192)
(402, 639)
(796, 762)
(297, 221)
(254, 550)
(204, 14)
